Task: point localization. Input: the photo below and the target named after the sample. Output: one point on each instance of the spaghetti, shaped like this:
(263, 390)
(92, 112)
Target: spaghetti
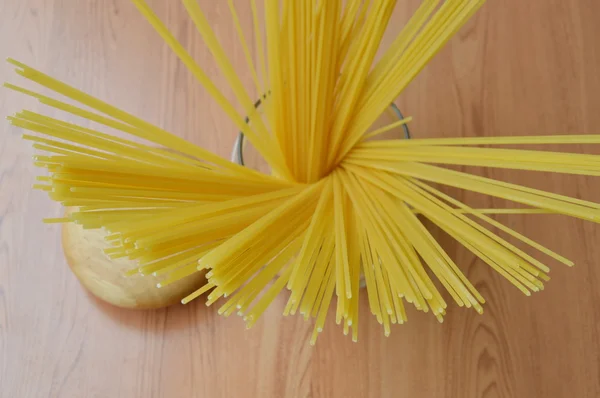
(338, 206)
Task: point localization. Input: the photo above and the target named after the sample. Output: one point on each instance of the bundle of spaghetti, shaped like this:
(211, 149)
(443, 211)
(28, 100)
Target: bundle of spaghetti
(340, 207)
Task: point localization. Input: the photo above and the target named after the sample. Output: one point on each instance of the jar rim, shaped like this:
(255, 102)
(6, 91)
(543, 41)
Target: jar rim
(237, 154)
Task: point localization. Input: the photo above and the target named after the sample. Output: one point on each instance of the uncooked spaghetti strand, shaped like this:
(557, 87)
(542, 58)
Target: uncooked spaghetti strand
(530, 165)
(303, 292)
(362, 15)
(431, 153)
(416, 64)
(532, 265)
(147, 151)
(312, 91)
(324, 276)
(260, 307)
(478, 180)
(357, 71)
(199, 210)
(535, 198)
(349, 17)
(155, 254)
(387, 128)
(396, 316)
(315, 286)
(494, 265)
(304, 81)
(238, 271)
(502, 184)
(139, 193)
(302, 287)
(393, 292)
(385, 299)
(213, 227)
(313, 234)
(87, 136)
(362, 38)
(104, 121)
(276, 83)
(125, 203)
(439, 210)
(348, 30)
(289, 74)
(397, 48)
(433, 256)
(146, 256)
(351, 39)
(146, 130)
(457, 226)
(220, 228)
(473, 141)
(481, 215)
(73, 176)
(508, 272)
(326, 80)
(438, 31)
(111, 153)
(504, 211)
(244, 43)
(258, 138)
(343, 284)
(313, 30)
(569, 163)
(410, 265)
(197, 293)
(179, 274)
(405, 237)
(262, 137)
(354, 266)
(354, 71)
(369, 275)
(152, 194)
(377, 236)
(232, 275)
(75, 164)
(258, 41)
(394, 261)
(323, 308)
(243, 296)
(115, 214)
(62, 149)
(234, 245)
(182, 258)
(201, 213)
(402, 52)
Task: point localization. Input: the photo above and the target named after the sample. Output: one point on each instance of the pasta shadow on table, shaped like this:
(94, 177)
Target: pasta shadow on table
(160, 320)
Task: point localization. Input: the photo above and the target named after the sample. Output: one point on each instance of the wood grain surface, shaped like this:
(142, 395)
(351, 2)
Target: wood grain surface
(520, 67)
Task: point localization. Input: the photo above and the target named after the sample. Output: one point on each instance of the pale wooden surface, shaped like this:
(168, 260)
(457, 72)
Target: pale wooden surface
(520, 67)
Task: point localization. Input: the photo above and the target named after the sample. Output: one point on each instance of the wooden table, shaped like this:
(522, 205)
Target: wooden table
(520, 67)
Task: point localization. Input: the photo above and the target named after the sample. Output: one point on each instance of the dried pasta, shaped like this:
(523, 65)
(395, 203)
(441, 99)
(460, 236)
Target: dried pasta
(338, 208)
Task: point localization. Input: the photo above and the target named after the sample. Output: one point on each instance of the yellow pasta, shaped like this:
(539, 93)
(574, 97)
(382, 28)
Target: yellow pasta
(340, 209)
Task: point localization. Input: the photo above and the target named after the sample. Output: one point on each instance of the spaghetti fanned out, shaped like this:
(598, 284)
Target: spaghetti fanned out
(339, 209)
